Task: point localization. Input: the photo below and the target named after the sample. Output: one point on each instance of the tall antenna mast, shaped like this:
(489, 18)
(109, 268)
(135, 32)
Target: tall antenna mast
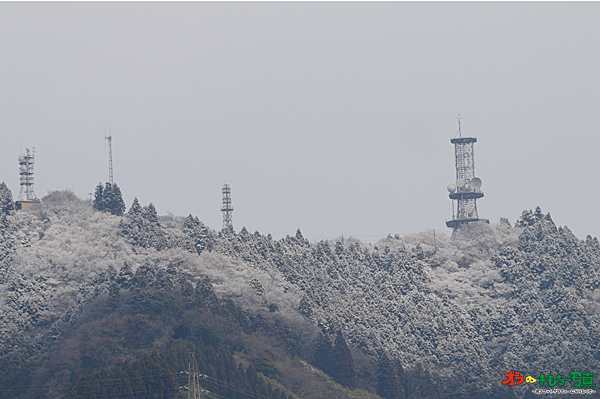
(227, 208)
(110, 165)
(27, 197)
(467, 189)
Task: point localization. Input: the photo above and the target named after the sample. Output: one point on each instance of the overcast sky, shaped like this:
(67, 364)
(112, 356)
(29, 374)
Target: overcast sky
(334, 118)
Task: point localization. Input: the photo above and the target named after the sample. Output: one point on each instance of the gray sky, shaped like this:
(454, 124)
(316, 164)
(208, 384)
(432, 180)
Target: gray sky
(332, 117)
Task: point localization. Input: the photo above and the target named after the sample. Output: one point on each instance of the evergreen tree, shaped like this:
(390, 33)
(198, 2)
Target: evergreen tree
(264, 364)
(341, 363)
(109, 198)
(304, 308)
(115, 203)
(423, 384)
(98, 202)
(322, 355)
(200, 237)
(6, 199)
(142, 228)
(125, 275)
(388, 386)
(149, 213)
(114, 296)
(7, 247)
(136, 208)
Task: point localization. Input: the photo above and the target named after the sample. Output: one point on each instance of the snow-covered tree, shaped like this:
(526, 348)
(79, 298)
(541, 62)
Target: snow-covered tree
(6, 199)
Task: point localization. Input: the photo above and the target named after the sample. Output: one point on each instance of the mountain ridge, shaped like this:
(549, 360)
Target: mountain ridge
(449, 314)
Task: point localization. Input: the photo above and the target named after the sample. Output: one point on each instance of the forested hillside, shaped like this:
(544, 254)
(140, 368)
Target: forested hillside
(90, 294)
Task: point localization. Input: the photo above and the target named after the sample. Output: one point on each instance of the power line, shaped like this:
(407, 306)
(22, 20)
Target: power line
(193, 375)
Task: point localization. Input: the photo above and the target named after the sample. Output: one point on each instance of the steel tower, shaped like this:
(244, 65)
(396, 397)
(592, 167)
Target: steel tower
(467, 189)
(227, 208)
(26, 194)
(193, 386)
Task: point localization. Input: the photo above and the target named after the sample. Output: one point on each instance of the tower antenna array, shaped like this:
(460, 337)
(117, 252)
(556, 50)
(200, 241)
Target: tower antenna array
(27, 197)
(467, 188)
(227, 208)
(110, 164)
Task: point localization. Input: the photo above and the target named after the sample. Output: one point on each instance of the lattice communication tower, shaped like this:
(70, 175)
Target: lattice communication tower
(26, 194)
(467, 188)
(227, 208)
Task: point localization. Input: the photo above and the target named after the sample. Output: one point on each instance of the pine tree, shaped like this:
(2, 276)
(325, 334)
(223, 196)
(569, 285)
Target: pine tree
(7, 247)
(341, 363)
(135, 209)
(388, 386)
(304, 308)
(198, 234)
(142, 228)
(109, 198)
(114, 296)
(322, 355)
(116, 205)
(98, 202)
(6, 199)
(149, 213)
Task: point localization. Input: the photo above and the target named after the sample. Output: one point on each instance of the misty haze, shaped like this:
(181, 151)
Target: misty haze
(299, 200)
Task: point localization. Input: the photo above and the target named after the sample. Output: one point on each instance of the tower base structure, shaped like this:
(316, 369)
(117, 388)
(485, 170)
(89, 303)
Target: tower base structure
(457, 223)
(28, 205)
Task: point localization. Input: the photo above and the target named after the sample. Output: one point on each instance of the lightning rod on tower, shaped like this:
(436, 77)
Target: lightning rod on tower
(467, 188)
(227, 208)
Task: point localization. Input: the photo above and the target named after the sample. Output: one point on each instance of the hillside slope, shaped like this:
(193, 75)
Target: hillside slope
(83, 293)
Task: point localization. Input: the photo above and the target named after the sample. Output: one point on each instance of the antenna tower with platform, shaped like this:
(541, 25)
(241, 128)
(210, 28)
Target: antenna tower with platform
(227, 208)
(467, 188)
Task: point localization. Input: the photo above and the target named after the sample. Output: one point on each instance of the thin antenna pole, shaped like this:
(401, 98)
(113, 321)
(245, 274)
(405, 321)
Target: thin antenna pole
(110, 162)
(459, 130)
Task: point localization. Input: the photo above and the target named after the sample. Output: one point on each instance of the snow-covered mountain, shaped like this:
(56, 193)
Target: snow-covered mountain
(421, 318)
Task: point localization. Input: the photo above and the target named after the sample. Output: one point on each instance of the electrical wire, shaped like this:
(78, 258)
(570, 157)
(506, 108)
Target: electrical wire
(102, 382)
